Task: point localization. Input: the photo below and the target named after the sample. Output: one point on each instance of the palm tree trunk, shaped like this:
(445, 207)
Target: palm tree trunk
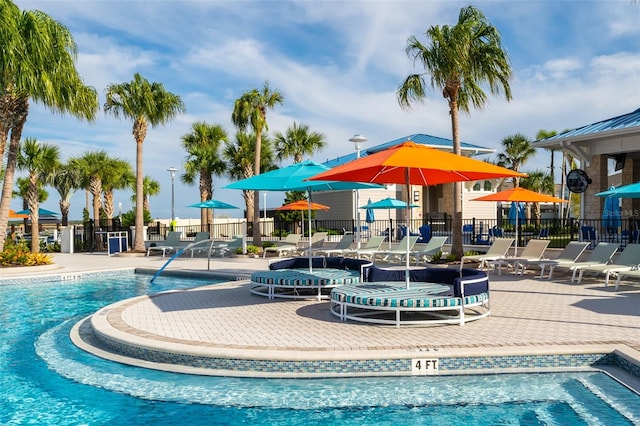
(255, 219)
(456, 243)
(32, 202)
(64, 210)
(139, 246)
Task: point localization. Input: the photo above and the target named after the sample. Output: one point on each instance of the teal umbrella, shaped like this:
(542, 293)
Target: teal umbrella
(388, 204)
(212, 204)
(41, 212)
(627, 191)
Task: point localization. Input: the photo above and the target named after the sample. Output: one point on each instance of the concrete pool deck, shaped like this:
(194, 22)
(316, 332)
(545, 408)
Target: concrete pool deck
(529, 316)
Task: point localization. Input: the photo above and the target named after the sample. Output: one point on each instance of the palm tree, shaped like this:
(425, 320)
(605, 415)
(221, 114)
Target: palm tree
(299, 140)
(203, 161)
(39, 160)
(517, 150)
(250, 110)
(240, 161)
(149, 187)
(145, 103)
(22, 183)
(38, 63)
(66, 180)
(541, 182)
(459, 60)
(543, 134)
(116, 174)
(90, 166)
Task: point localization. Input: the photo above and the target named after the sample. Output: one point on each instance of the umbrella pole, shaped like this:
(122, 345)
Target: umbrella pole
(309, 207)
(407, 273)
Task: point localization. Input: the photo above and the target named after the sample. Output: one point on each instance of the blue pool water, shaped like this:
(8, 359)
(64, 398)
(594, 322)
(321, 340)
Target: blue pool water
(45, 380)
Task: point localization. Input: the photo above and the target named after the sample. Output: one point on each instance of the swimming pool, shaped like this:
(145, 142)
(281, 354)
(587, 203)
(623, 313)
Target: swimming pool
(46, 380)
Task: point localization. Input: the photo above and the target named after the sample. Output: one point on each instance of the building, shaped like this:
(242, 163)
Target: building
(609, 154)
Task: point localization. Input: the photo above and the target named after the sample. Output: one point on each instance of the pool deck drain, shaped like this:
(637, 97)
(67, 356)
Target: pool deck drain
(528, 317)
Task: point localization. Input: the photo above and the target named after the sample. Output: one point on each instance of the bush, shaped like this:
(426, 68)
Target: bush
(20, 255)
(253, 249)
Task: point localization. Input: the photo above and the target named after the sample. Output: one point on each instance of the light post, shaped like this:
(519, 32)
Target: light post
(172, 170)
(358, 140)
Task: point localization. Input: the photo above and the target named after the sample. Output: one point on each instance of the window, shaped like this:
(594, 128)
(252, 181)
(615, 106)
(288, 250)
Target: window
(487, 185)
(476, 187)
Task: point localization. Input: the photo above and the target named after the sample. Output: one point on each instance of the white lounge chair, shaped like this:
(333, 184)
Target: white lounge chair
(371, 246)
(497, 250)
(534, 250)
(634, 273)
(601, 255)
(344, 244)
(316, 243)
(288, 245)
(629, 259)
(427, 250)
(569, 254)
(172, 243)
(200, 237)
(223, 248)
(397, 254)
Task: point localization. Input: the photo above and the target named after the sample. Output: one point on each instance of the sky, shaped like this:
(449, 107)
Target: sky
(338, 65)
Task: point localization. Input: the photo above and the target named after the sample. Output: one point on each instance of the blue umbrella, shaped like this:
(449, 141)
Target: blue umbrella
(627, 191)
(388, 204)
(516, 218)
(371, 217)
(294, 178)
(213, 204)
(611, 213)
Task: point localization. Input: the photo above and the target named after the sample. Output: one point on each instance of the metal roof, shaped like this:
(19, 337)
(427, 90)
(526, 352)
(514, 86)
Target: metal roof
(419, 138)
(619, 123)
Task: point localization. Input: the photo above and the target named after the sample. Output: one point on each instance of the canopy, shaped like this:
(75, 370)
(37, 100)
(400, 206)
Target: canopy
(412, 164)
(41, 212)
(303, 205)
(626, 191)
(14, 215)
(520, 195)
(212, 204)
(388, 204)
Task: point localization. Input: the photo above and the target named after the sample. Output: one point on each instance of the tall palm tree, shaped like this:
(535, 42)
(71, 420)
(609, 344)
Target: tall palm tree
(459, 60)
(37, 62)
(204, 160)
(538, 181)
(39, 160)
(250, 110)
(150, 187)
(116, 174)
(66, 180)
(22, 183)
(543, 134)
(517, 150)
(239, 156)
(145, 103)
(90, 166)
(297, 142)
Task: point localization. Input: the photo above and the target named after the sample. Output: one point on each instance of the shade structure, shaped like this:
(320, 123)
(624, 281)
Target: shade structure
(41, 212)
(294, 178)
(412, 164)
(370, 216)
(212, 204)
(520, 195)
(516, 212)
(303, 205)
(626, 191)
(611, 213)
(388, 204)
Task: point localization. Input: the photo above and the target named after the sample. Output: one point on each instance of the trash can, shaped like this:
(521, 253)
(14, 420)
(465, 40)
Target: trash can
(117, 242)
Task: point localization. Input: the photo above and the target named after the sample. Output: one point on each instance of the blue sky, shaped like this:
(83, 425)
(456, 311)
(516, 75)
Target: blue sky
(338, 65)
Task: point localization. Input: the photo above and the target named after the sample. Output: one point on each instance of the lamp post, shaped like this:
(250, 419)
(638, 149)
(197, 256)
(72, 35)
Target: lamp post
(358, 140)
(172, 170)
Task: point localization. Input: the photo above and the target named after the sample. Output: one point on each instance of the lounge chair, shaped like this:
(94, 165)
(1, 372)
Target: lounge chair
(405, 245)
(569, 254)
(629, 259)
(427, 251)
(497, 250)
(601, 255)
(172, 243)
(634, 273)
(223, 248)
(316, 243)
(200, 237)
(372, 245)
(288, 245)
(534, 250)
(344, 244)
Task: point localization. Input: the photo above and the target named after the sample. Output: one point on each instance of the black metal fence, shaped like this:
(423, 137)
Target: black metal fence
(89, 238)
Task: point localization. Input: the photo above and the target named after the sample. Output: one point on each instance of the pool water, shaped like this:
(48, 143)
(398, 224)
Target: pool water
(45, 380)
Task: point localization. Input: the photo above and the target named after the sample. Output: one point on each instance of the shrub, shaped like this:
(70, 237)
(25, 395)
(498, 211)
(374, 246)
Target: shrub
(253, 249)
(19, 255)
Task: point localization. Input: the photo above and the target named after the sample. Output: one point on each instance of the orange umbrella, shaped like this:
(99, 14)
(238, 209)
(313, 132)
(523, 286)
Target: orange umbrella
(304, 205)
(413, 164)
(520, 195)
(14, 215)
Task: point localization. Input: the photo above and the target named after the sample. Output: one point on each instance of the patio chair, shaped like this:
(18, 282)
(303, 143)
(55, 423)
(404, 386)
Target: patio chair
(498, 249)
(634, 273)
(405, 245)
(200, 236)
(569, 254)
(289, 244)
(344, 244)
(223, 248)
(601, 255)
(425, 234)
(534, 250)
(428, 250)
(589, 233)
(316, 243)
(629, 259)
(373, 245)
(171, 243)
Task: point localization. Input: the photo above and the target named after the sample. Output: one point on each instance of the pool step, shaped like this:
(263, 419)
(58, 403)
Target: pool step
(605, 388)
